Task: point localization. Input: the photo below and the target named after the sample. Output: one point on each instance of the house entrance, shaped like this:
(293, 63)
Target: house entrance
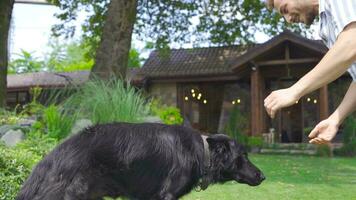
(201, 105)
(291, 124)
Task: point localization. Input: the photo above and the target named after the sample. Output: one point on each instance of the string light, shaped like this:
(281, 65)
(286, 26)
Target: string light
(296, 102)
(308, 99)
(199, 97)
(233, 102)
(192, 91)
(186, 98)
(315, 101)
(193, 95)
(238, 100)
(205, 101)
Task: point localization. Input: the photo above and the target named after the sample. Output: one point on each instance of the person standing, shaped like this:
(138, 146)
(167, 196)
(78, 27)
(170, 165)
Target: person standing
(338, 31)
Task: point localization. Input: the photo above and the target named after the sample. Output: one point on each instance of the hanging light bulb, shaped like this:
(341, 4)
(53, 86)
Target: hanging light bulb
(186, 98)
(205, 101)
(192, 91)
(308, 99)
(193, 95)
(238, 101)
(233, 102)
(315, 101)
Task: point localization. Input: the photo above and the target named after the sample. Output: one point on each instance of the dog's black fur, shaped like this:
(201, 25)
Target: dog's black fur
(139, 161)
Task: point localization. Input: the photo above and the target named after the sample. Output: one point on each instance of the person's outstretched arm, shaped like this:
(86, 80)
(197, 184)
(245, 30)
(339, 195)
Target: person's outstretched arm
(326, 130)
(332, 66)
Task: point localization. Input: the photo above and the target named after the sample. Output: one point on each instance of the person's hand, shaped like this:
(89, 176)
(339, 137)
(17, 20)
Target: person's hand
(279, 99)
(324, 132)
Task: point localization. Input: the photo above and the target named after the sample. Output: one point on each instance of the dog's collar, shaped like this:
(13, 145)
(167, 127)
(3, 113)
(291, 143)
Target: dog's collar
(205, 179)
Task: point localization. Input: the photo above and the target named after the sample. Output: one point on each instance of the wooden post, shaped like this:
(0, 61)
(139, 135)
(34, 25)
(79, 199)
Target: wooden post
(324, 103)
(257, 87)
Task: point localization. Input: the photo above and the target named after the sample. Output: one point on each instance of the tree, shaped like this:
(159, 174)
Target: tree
(164, 22)
(25, 63)
(6, 7)
(113, 52)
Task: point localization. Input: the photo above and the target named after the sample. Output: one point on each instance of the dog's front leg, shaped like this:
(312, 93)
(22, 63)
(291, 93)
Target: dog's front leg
(166, 196)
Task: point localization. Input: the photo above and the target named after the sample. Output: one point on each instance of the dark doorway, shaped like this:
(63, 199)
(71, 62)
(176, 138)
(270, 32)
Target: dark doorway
(291, 124)
(201, 104)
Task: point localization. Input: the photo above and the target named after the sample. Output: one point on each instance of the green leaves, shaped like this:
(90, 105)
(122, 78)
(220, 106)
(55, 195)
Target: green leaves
(107, 101)
(164, 22)
(25, 63)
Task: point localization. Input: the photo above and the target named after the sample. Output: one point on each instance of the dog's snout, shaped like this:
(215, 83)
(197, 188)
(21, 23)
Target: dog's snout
(260, 176)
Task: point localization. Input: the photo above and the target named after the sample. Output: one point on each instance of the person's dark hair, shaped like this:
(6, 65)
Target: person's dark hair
(270, 4)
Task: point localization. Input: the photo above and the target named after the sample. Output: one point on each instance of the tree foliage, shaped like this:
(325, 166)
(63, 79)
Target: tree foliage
(25, 63)
(61, 57)
(163, 22)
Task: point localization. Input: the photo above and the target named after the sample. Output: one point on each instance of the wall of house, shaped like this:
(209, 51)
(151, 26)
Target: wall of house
(166, 92)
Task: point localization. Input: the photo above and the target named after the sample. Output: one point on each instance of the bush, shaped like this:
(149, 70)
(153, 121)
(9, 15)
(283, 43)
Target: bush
(349, 138)
(307, 130)
(348, 149)
(171, 115)
(235, 125)
(33, 108)
(38, 143)
(15, 166)
(16, 163)
(254, 141)
(107, 101)
(7, 117)
(58, 124)
(324, 151)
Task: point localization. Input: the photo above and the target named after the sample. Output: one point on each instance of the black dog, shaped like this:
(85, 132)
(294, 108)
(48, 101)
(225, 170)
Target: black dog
(139, 161)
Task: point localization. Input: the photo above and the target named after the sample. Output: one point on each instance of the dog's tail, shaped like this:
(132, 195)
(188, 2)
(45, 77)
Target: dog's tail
(32, 185)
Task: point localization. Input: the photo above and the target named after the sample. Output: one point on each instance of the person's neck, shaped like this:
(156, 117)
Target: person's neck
(315, 5)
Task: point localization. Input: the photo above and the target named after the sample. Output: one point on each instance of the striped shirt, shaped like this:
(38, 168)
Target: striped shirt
(335, 15)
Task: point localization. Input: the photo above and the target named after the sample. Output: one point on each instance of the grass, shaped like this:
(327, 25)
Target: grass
(108, 101)
(291, 177)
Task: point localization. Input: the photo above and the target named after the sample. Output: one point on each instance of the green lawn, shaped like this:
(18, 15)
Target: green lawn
(291, 177)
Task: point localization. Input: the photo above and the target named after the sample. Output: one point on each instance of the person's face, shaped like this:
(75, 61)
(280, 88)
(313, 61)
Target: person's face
(296, 11)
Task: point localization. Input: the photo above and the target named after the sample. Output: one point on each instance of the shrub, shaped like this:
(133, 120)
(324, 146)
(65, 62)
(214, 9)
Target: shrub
(348, 149)
(171, 115)
(254, 141)
(235, 125)
(38, 143)
(15, 165)
(57, 123)
(307, 130)
(323, 151)
(349, 138)
(107, 101)
(33, 108)
(8, 117)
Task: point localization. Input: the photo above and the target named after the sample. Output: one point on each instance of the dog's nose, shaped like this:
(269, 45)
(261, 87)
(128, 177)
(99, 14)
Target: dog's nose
(260, 176)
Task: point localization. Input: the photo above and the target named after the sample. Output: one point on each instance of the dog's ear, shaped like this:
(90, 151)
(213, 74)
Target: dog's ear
(218, 143)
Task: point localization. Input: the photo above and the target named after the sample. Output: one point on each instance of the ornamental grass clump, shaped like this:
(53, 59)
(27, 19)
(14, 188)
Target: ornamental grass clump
(108, 101)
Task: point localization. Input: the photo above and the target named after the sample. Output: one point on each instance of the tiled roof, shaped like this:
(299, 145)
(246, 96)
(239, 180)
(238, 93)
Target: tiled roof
(215, 61)
(53, 79)
(46, 79)
(192, 62)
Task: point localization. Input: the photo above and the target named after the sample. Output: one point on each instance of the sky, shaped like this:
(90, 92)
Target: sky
(31, 30)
